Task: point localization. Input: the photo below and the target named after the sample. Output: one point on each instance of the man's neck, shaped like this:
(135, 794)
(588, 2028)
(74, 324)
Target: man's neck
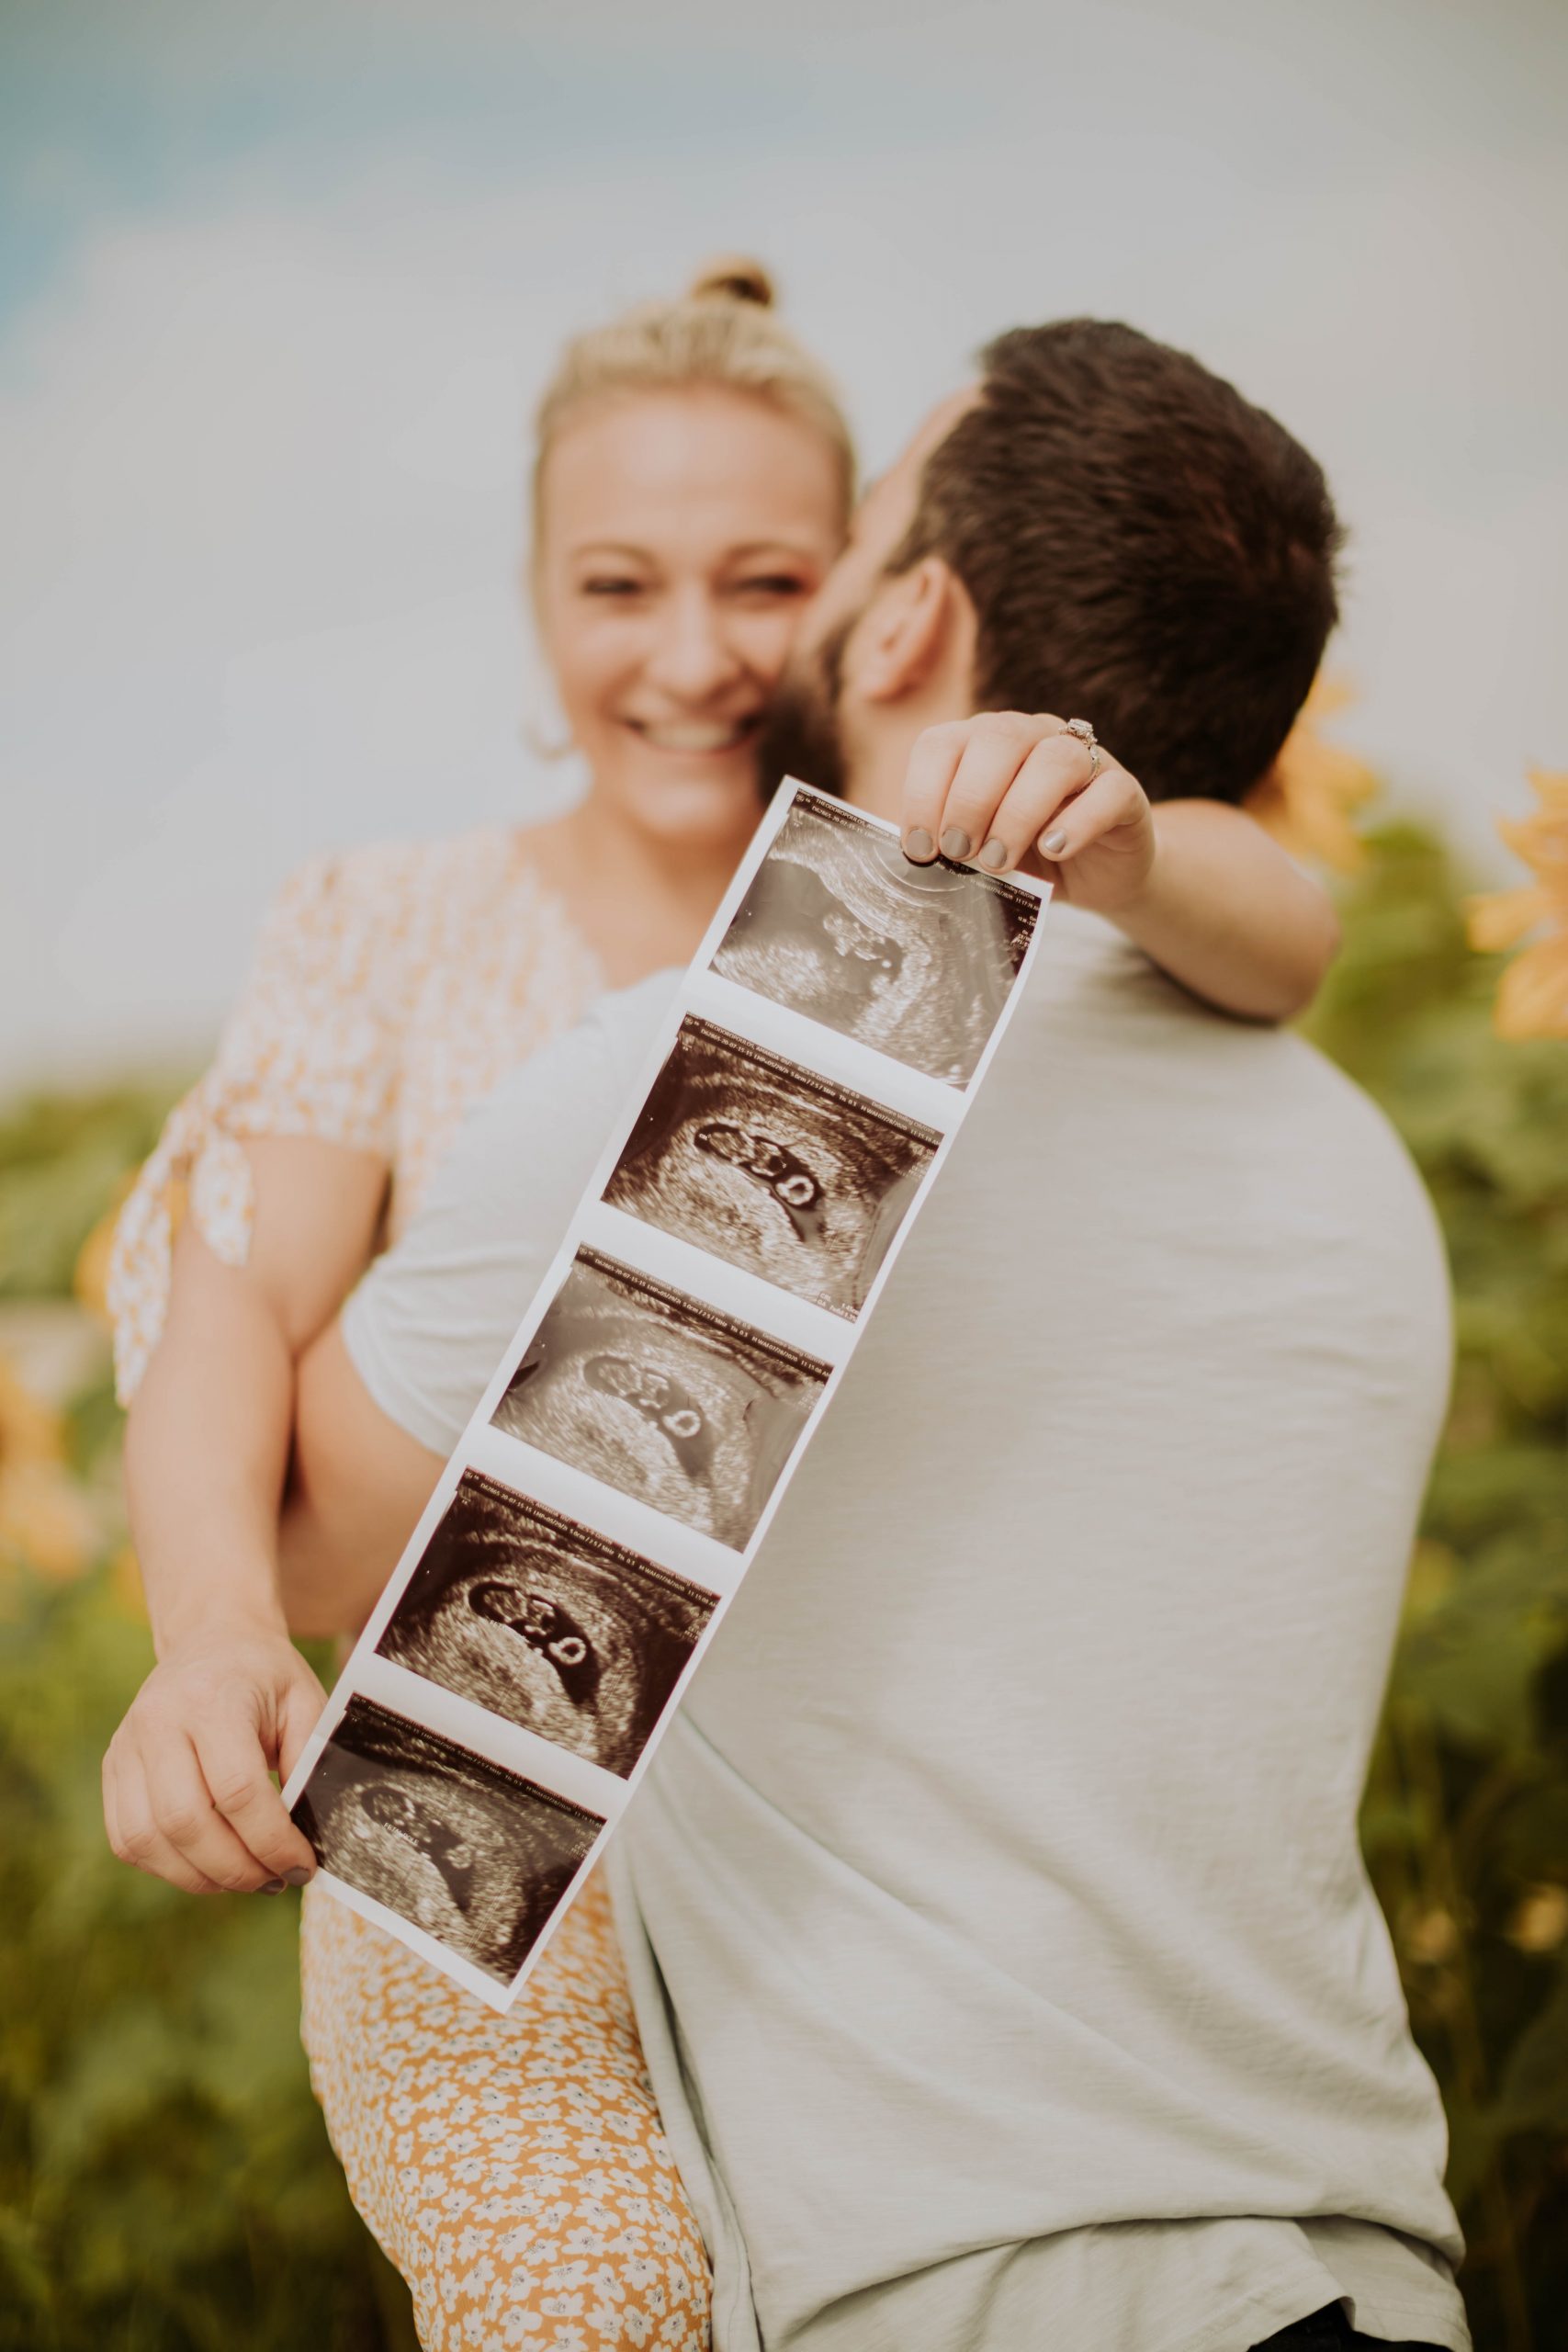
(877, 767)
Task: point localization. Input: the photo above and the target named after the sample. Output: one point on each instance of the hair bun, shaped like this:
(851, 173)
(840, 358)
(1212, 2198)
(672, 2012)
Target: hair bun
(732, 277)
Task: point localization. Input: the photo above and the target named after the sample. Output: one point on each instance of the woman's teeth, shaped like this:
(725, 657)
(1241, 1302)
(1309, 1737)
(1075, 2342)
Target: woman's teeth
(694, 737)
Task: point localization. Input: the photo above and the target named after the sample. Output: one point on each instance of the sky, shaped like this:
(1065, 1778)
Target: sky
(279, 283)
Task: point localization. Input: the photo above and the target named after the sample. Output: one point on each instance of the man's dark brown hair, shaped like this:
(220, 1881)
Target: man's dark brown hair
(1143, 548)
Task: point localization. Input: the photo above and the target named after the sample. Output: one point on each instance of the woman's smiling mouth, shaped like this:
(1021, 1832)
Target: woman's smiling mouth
(696, 738)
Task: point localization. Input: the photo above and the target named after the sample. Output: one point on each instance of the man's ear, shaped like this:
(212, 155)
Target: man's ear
(909, 631)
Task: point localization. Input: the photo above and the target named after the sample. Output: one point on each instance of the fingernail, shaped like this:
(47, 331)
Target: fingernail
(299, 1877)
(919, 845)
(994, 854)
(273, 1886)
(955, 843)
(1053, 843)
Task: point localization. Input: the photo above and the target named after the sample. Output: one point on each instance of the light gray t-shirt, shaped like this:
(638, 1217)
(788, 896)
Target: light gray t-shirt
(1003, 1954)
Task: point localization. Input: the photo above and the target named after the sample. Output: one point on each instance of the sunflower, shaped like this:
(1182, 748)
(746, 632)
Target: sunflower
(1532, 996)
(1307, 796)
(45, 1519)
(90, 1281)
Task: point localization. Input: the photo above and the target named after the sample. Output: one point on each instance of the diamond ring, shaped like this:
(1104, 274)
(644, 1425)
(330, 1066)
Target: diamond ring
(1082, 732)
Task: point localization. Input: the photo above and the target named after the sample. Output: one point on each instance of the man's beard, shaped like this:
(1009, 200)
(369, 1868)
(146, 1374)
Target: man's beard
(801, 736)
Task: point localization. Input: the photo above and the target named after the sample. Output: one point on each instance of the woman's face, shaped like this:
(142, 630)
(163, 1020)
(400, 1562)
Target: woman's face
(681, 535)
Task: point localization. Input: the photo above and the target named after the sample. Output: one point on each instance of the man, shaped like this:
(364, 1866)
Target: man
(1002, 1953)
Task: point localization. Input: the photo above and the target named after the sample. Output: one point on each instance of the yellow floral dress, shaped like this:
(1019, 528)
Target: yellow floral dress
(512, 2167)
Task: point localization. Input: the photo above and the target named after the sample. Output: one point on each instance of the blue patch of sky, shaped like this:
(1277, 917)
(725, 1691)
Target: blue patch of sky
(110, 107)
(94, 123)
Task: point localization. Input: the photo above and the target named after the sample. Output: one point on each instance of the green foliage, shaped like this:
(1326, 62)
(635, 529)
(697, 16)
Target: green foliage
(62, 1160)
(166, 2184)
(1465, 1823)
(166, 2181)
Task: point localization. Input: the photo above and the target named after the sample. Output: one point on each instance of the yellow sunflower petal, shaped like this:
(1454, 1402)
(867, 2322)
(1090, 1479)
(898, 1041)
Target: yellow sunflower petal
(45, 1520)
(1532, 996)
(1550, 788)
(1540, 1921)
(1307, 798)
(1502, 918)
(30, 1430)
(1540, 840)
(1542, 846)
(90, 1281)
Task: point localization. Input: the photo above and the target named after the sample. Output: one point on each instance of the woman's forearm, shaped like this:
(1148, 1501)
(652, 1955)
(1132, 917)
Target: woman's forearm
(208, 1442)
(206, 1447)
(187, 1779)
(1227, 915)
(359, 1486)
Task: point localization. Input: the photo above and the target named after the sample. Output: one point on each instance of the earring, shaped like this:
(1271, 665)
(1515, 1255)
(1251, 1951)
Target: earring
(543, 729)
(542, 744)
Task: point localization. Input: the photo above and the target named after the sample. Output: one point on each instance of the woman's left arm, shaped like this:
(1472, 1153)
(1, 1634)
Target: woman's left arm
(1227, 914)
(1198, 885)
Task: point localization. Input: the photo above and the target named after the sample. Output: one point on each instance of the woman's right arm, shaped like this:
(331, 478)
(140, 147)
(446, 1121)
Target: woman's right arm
(186, 1789)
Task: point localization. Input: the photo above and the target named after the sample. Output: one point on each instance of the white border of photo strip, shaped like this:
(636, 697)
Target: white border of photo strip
(644, 1248)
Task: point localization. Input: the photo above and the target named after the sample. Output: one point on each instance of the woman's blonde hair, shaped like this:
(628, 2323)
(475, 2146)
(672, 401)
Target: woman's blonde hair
(721, 331)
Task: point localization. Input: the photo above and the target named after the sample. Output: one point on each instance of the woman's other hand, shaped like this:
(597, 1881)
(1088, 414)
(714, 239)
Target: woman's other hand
(1009, 790)
(187, 1788)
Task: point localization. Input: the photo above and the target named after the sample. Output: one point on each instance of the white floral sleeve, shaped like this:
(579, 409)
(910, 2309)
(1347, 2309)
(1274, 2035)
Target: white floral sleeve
(312, 1048)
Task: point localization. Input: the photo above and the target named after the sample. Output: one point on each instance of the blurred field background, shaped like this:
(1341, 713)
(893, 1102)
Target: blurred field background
(278, 283)
(164, 2180)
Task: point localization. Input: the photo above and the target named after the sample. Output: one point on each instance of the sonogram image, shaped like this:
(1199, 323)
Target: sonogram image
(771, 1167)
(916, 960)
(475, 1855)
(668, 1400)
(546, 1624)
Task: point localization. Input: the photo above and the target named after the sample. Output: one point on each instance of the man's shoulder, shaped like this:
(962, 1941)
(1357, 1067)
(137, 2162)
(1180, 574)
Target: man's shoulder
(1160, 1073)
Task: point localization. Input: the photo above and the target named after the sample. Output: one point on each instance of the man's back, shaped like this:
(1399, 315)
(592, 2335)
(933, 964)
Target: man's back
(1000, 1870)
(1002, 1866)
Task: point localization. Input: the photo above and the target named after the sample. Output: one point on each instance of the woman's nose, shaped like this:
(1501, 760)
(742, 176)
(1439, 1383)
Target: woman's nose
(692, 656)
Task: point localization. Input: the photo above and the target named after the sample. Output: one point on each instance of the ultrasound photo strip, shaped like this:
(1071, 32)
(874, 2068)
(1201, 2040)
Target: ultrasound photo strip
(547, 1624)
(771, 1167)
(918, 962)
(690, 1410)
(616, 1479)
(473, 1857)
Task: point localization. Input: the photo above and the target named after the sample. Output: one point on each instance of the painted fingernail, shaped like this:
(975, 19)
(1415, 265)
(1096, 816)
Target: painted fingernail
(955, 843)
(918, 844)
(994, 854)
(299, 1877)
(1053, 843)
(273, 1886)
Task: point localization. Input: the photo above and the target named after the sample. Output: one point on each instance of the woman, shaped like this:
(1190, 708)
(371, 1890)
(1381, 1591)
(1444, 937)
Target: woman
(692, 487)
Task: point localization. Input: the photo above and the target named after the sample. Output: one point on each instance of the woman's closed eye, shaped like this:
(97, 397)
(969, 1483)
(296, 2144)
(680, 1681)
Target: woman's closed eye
(612, 583)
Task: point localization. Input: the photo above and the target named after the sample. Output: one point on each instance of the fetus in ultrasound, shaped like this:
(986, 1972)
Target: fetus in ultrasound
(915, 960)
(685, 1408)
(771, 1167)
(474, 1855)
(546, 1624)
(770, 1164)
